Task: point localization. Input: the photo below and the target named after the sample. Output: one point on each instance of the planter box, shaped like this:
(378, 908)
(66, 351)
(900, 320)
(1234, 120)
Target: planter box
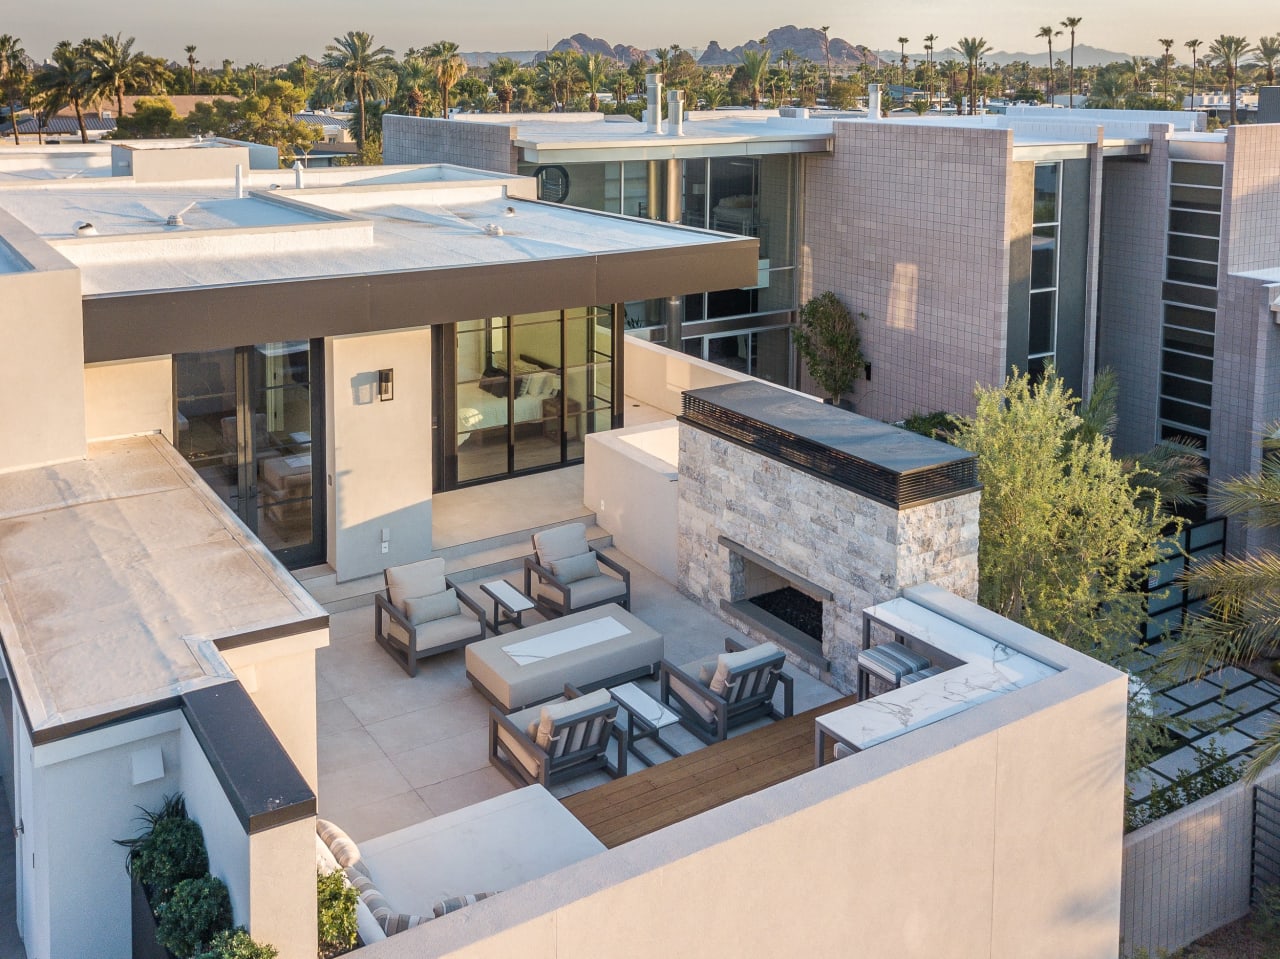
(145, 944)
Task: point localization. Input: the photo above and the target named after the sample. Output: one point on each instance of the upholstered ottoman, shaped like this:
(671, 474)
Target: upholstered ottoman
(597, 647)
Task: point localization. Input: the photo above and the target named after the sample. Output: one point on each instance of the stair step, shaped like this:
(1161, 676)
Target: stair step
(469, 563)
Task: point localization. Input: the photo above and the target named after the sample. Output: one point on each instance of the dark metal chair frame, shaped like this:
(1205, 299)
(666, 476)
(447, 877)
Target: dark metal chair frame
(728, 715)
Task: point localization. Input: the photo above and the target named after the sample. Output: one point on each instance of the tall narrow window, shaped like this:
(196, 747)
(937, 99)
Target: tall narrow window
(1042, 332)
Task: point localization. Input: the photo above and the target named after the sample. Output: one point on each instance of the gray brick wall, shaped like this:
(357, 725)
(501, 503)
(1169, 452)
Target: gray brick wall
(1188, 873)
(861, 551)
(911, 224)
(1134, 213)
(484, 146)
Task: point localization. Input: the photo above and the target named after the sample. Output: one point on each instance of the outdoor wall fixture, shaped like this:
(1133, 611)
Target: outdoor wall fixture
(148, 765)
(386, 385)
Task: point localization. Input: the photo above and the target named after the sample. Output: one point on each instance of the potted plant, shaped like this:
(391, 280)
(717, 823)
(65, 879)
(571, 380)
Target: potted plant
(237, 944)
(193, 915)
(336, 914)
(828, 341)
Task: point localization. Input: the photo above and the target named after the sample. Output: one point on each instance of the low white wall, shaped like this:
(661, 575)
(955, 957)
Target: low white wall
(633, 491)
(1188, 873)
(129, 397)
(657, 376)
(995, 833)
(379, 452)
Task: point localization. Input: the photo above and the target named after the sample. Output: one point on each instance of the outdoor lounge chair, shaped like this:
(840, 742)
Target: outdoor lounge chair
(423, 613)
(555, 741)
(569, 578)
(714, 695)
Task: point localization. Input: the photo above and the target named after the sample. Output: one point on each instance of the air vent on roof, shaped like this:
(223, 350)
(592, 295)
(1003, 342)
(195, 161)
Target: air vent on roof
(85, 228)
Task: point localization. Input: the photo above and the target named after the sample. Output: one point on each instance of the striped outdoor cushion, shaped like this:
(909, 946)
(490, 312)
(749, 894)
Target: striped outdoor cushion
(399, 922)
(340, 844)
(453, 904)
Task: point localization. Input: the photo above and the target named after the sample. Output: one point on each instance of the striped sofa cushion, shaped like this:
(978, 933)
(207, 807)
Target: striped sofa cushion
(453, 904)
(344, 849)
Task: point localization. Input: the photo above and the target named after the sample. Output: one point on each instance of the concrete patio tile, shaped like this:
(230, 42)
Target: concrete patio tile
(1233, 677)
(1155, 649)
(347, 747)
(1143, 781)
(1209, 716)
(1250, 698)
(378, 818)
(1258, 724)
(1165, 706)
(445, 759)
(324, 690)
(412, 730)
(348, 787)
(1268, 686)
(405, 694)
(1178, 763)
(333, 716)
(1228, 740)
(1195, 692)
(464, 790)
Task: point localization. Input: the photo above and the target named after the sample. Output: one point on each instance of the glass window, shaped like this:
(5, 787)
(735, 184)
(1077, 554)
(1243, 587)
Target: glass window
(1189, 317)
(1184, 413)
(1197, 224)
(1195, 198)
(1184, 389)
(1198, 367)
(1200, 174)
(1188, 341)
(1044, 257)
(1191, 271)
(1191, 295)
(1193, 248)
(1040, 340)
(1046, 193)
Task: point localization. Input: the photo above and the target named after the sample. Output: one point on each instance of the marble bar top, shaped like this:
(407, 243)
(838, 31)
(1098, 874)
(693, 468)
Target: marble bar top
(989, 668)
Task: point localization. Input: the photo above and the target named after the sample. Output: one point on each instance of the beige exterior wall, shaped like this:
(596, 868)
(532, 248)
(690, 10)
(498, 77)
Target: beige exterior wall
(658, 376)
(994, 834)
(379, 453)
(129, 397)
(282, 888)
(911, 224)
(279, 677)
(42, 364)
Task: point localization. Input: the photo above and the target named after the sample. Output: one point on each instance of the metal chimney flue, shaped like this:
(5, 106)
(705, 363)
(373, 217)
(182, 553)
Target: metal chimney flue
(675, 113)
(297, 175)
(653, 112)
(239, 181)
(873, 101)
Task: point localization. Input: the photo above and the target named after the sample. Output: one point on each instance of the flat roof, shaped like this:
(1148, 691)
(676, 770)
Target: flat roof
(116, 574)
(346, 221)
(10, 261)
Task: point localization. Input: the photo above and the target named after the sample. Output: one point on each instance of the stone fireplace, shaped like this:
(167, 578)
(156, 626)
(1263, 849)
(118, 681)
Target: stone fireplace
(794, 516)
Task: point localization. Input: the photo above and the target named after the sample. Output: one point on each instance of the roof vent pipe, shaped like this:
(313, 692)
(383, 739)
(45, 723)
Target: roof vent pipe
(239, 181)
(653, 112)
(873, 101)
(297, 174)
(675, 113)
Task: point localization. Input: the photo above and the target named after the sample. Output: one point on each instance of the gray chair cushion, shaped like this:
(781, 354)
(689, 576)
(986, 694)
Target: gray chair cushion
(695, 697)
(560, 543)
(574, 568)
(437, 632)
(566, 712)
(731, 664)
(424, 578)
(588, 592)
(520, 750)
(425, 609)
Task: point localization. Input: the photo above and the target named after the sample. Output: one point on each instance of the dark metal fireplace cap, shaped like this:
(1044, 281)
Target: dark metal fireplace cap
(885, 463)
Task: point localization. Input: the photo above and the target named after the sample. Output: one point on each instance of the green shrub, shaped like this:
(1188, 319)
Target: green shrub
(336, 913)
(936, 425)
(236, 944)
(193, 915)
(168, 850)
(1212, 773)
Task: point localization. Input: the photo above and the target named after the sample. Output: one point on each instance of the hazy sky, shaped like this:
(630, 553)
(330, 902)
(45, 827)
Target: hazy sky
(273, 32)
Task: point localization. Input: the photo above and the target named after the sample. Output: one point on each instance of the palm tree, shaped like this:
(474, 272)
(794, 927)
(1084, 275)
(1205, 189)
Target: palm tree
(1071, 23)
(65, 81)
(414, 76)
(826, 53)
(253, 69)
(929, 41)
(191, 64)
(902, 59)
(755, 68)
(1242, 593)
(358, 71)
(1229, 50)
(1193, 46)
(558, 74)
(502, 76)
(593, 68)
(13, 77)
(1268, 51)
(114, 66)
(449, 67)
(1048, 33)
(1168, 45)
(973, 49)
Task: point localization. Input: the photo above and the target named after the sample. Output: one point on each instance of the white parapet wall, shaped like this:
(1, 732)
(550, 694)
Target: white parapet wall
(659, 376)
(630, 483)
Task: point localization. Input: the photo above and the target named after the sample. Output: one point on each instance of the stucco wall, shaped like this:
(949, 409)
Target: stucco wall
(910, 224)
(484, 146)
(995, 833)
(379, 452)
(129, 397)
(861, 551)
(657, 376)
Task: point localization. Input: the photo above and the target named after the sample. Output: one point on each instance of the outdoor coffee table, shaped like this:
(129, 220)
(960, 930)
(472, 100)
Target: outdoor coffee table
(646, 718)
(509, 604)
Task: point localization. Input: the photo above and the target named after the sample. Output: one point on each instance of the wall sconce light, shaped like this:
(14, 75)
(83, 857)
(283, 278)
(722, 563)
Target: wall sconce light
(386, 385)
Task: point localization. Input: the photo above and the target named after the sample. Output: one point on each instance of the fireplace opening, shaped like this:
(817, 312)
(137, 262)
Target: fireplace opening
(794, 608)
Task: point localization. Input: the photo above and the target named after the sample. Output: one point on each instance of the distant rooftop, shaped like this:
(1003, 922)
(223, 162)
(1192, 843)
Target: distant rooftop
(116, 572)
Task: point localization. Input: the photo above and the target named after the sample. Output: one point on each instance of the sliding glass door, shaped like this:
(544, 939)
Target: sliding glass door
(520, 392)
(250, 420)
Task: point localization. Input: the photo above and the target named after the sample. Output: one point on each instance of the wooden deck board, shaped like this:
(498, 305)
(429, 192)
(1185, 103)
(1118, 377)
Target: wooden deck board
(656, 797)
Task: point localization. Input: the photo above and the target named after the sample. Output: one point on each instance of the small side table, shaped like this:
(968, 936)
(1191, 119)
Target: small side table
(509, 604)
(646, 718)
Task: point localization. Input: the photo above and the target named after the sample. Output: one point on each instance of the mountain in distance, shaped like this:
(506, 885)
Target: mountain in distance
(805, 41)
(1086, 56)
